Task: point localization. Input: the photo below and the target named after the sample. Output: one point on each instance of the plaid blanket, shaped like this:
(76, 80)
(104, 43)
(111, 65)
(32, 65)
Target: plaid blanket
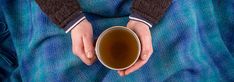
(194, 41)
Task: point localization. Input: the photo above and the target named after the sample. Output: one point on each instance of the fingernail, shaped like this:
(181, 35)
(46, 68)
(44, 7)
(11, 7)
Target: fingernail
(121, 73)
(89, 55)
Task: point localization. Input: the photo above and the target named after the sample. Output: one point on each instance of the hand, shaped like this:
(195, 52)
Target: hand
(82, 42)
(143, 32)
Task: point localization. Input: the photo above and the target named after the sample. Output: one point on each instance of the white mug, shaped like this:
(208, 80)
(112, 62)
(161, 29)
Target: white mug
(97, 50)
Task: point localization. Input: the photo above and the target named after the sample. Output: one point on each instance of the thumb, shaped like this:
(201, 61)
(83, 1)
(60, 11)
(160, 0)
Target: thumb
(88, 46)
(130, 24)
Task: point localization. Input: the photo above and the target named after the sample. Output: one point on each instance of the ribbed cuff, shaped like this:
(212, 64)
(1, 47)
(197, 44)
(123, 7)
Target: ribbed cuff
(74, 22)
(135, 16)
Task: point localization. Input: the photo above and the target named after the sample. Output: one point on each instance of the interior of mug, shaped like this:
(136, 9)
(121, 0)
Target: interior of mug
(103, 34)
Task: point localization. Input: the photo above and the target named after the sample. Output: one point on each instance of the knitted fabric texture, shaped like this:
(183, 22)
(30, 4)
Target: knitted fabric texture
(61, 12)
(152, 10)
(193, 41)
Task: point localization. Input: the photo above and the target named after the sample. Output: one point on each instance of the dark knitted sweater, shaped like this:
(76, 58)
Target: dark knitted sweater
(62, 12)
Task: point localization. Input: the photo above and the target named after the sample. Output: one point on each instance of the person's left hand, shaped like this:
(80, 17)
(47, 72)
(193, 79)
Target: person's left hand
(143, 32)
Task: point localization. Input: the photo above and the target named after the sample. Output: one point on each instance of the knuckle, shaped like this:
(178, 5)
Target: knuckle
(151, 50)
(144, 62)
(89, 47)
(86, 35)
(75, 50)
(148, 51)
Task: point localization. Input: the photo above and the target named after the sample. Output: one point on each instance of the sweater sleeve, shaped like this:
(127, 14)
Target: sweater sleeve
(149, 11)
(65, 13)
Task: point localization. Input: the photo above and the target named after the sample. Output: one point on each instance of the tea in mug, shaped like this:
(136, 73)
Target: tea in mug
(119, 48)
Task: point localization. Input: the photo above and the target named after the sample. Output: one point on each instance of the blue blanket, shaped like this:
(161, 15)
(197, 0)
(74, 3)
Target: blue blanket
(194, 41)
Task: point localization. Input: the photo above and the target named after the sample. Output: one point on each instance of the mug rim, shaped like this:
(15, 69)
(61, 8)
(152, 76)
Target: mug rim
(114, 28)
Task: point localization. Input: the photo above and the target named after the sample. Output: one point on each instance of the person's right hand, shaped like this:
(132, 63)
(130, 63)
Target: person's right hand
(82, 42)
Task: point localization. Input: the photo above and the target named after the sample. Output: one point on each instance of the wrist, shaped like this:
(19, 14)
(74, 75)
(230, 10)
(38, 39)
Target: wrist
(76, 21)
(137, 23)
(137, 17)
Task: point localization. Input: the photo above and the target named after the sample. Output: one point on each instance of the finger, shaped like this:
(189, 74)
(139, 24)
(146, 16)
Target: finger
(144, 35)
(86, 60)
(88, 46)
(77, 45)
(146, 49)
(93, 59)
(146, 52)
(130, 26)
(139, 63)
(135, 67)
(78, 49)
(146, 44)
(121, 72)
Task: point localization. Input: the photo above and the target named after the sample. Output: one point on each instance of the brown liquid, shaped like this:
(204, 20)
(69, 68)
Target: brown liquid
(118, 48)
